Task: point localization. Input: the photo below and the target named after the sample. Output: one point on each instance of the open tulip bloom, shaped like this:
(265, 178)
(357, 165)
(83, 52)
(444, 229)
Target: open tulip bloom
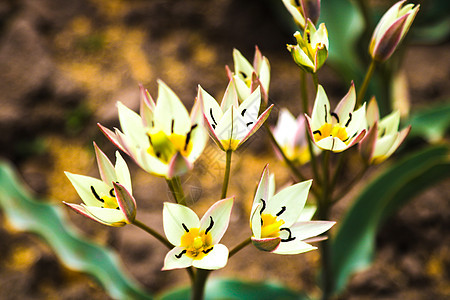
(247, 77)
(109, 200)
(164, 139)
(277, 222)
(340, 129)
(196, 241)
(311, 50)
(231, 124)
(391, 29)
(383, 137)
(290, 134)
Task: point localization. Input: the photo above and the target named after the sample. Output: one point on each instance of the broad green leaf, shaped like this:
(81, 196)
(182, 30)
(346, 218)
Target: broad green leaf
(76, 252)
(352, 248)
(232, 289)
(431, 123)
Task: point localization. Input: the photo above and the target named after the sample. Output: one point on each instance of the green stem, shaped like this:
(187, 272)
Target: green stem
(226, 177)
(240, 247)
(315, 80)
(365, 84)
(152, 232)
(198, 288)
(177, 190)
(304, 92)
(340, 164)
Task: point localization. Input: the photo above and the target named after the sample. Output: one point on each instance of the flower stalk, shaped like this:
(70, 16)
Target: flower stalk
(226, 177)
(365, 84)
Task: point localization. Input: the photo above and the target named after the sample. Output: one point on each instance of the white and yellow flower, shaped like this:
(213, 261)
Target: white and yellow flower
(340, 129)
(196, 241)
(231, 124)
(109, 200)
(248, 77)
(383, 137)
(311, 50)
(290, 134)
(391, 30)
(277, 222)
(301, 10)
(164, 139)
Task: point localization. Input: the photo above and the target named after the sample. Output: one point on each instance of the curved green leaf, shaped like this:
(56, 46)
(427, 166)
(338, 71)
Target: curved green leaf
(353, 246)
(76, 252)
(232, 289)
(431, 123)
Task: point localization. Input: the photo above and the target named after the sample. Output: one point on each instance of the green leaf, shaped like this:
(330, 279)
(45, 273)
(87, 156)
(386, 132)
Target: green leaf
(431, 123)
(352, 248)
(76, 252)
(232, 289)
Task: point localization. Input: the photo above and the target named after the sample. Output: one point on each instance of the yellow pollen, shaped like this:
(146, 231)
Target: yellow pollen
(196, 243)
(110, 202)
(270, 226)
(328, 129)
(165, 147)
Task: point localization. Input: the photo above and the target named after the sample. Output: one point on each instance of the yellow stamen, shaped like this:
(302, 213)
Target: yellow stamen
(270, 226)
(196, 243)
(165, 147)
(230, 144)
(328, 129)
(110, 202)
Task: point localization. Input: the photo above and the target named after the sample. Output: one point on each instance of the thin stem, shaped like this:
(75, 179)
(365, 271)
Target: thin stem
(315, 80)
(226, 177)
(198, 288)
(240, 247)
(304, 92)
(177, 190)
(152, 232)
(340, 164)
(365, 84)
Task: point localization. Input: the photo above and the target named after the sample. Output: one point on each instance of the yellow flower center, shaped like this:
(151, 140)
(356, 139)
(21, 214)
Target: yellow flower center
(230, 144)
(298, 154)
(328, 129)
(196, 243)
(165, 147)
(270, 226)
(109, 201)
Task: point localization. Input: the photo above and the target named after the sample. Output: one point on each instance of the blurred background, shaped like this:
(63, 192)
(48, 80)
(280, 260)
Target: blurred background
(63, 66)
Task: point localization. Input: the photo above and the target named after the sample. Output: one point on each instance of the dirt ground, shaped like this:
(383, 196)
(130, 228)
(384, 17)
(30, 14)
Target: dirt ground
(64, 64)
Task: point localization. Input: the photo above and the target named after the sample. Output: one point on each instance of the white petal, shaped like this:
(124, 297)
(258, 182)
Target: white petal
(122, 172)
(293, 247)
(264, 74)
(390, 123)
(230, 97)
(242, 67)
(289, 202)
(321, 110)
(132, 126)
(241, 87)
(332, 143)
(83, 184)
(217, 258)
(255, 220)
(216, 219)
(346, 105)
(262, 191)
(285, 127)
(358, 121)
(171, 261)
(174, 216)
(307, 213)
(170, 112)
(384, 144)
(151, 164)
(305, 230)
(249, 109)
(105, 167)
(211, 109)
(108, 215)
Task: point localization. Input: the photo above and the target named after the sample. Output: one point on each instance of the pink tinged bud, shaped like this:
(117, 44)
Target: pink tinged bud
(126, 202)
(311, 9)
(367, 146)
(390, 30)
(266, 244)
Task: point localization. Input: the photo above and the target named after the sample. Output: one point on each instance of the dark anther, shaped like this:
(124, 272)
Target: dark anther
(181, 254)
(354, 135)
(283, 209)
(96, 195)
(289, 238)
(194, 126)
(317, 131)
(212, 117)
(263, 207)
(184, 227)
(111, 193)
(211, 224)
(333, 114)
(150, 140)
(243, 111)
(118, 208)
(382, 131)
(249, 123)
(308, 37)
(188, 136)
(332, 144)
(349, 119)
(326, 113)
(158, 154)
(153, 123)
(243, 74)
(346, 140)
(297, 3)
(213, 126)
(207, 250)
(171, 126)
